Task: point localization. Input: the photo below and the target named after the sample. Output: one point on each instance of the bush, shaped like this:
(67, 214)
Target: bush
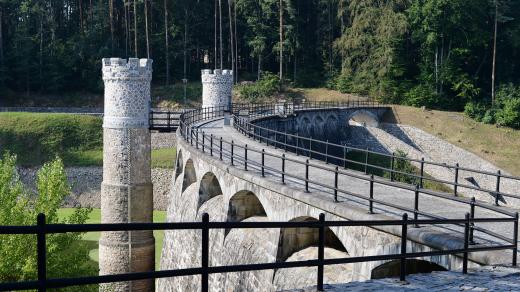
(421, 95)
(509, 114)
(67, 255)
(474, 110)
(267, 86)
(37, 138)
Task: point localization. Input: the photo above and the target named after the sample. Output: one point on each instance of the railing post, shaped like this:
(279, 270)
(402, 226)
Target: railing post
(42, 253)
(191, 136)
(456, 185)
(283, 168)
(497, 189)
(366, 161)
(285, 142)
(404, 235)
(263, 162)
(307, 175)
(345, 157)
(211, 144)
(205, 253)
(371, 202)
(245, 157)
(203, 142)
(515, 239)
(416, 206)
(220, 148)
(472, 225)
(232, 151)
(336, 184)
(466, 245)
(392, 162)
(310, 148)
(327, 152)
(321, 251)
(197, 138)
(421, 179)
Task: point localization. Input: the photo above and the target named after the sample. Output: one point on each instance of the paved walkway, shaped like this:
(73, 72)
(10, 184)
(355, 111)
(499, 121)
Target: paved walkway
(484, 279)
(393, 195)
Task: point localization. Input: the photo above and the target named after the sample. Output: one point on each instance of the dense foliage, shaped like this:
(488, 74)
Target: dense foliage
(435, 53)
(504, 112)
(67, 256)
(266, 87)
(37, 138)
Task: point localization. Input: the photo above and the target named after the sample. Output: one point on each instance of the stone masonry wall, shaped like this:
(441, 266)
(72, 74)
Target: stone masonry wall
(216, 88)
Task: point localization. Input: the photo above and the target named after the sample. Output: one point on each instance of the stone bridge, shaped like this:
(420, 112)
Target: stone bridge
(203, 183)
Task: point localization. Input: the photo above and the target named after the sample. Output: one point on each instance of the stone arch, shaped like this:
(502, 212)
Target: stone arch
(331, 128)
(304, 129)
(413, 266)
(190, 176)
(209, 188)
(244, 204)
(292, 240)
(363, 118)
(179, 163)
(317, 127)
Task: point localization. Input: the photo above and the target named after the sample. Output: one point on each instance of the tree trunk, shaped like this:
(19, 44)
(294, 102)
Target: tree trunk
(111, 19)
(80, 8)
(185, 49)
(231, 42)
(166, 42)
(235, 73)
(127, 27)
(135, 28)
(146, 28)
(220, 28)
(41, 53)
(281, 41)
(259, 67)
(494, 55)
(216, 54)
(1, 46)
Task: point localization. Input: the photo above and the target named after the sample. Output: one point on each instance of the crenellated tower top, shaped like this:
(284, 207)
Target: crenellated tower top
(117, 69)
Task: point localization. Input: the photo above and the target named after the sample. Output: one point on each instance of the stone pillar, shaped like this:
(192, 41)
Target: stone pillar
(216, 88)
(126, 191)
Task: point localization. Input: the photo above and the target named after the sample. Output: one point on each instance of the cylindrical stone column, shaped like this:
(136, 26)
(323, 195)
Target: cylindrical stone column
(126, 191)
(216, 88)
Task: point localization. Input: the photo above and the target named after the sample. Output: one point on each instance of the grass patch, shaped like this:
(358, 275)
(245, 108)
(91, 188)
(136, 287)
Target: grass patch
(92, 238)
(163, 158)
(39, 137)
(495, 144)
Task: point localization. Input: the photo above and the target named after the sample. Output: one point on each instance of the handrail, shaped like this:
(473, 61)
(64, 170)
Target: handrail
(42, 229)
(190, 132)
(262, 134)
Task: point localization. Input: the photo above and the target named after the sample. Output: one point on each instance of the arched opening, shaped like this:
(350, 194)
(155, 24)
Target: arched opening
(244, 204)
(363, 118)
(413, 266)
(331, 129)
(317, 128)
(293, 240)
(209, 188)
(189, 175)
(178, 165)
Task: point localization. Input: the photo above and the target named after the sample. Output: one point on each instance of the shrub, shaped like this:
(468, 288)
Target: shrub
(37, 138)
(509, 114)
(67, 255)
(267, 86)
(421, 95)
(474, 110)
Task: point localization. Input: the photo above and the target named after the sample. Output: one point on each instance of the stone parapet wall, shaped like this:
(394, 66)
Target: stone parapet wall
(217, 87)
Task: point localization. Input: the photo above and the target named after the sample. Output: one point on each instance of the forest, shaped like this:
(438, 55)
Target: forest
(448, 54)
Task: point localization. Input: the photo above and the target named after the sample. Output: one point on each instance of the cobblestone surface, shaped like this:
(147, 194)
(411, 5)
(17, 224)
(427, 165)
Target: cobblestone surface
(482, 279)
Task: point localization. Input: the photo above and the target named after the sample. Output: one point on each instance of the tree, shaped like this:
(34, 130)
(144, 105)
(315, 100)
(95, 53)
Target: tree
(67, 256)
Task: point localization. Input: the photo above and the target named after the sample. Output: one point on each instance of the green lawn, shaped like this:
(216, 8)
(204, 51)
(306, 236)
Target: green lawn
(161, 158)
(92, 238)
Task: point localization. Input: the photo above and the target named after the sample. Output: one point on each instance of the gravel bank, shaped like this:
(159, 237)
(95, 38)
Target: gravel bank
(86, 185)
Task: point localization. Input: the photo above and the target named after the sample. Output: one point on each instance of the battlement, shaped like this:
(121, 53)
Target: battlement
(217, 72)
(133, 68)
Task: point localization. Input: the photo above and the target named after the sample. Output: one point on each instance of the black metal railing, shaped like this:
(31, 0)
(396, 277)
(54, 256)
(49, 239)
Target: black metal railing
(164, 120)
(315, 148)
(240, 155)
(42, 283)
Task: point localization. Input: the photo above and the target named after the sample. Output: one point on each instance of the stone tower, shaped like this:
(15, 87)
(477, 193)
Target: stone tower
(126, 191)
(216, 88)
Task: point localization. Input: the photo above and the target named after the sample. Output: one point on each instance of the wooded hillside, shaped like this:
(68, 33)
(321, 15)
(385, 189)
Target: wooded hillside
(417, 52)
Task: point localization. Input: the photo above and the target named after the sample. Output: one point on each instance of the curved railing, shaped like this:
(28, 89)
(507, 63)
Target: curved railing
(308, 146)
(238, 155)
